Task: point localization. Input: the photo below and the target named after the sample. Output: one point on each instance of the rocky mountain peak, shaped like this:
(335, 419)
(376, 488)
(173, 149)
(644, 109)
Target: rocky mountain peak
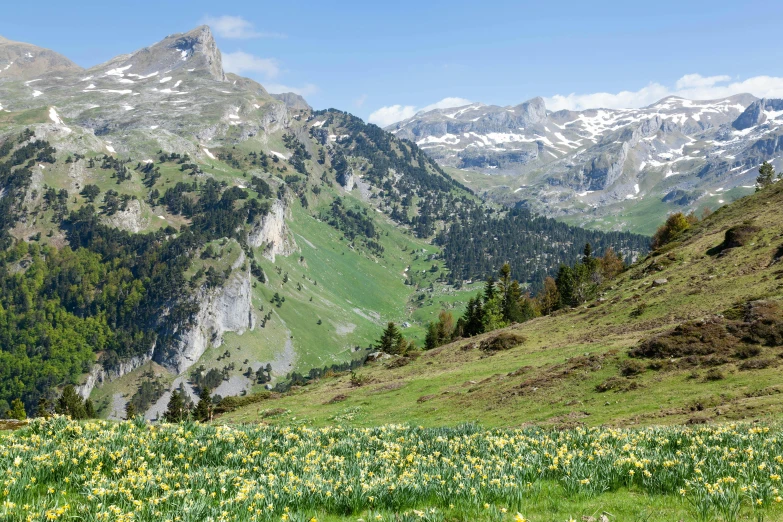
(533, 111)
(195, 50)
(23, 61)
(757, 113)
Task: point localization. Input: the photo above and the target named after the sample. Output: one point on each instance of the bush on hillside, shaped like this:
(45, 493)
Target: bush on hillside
(502, 341)
(675, 225)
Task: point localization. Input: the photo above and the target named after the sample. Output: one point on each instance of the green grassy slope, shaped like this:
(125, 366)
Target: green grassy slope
(552, 377)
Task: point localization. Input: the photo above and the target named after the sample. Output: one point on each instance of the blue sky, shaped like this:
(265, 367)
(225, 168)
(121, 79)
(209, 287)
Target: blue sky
(386, 60)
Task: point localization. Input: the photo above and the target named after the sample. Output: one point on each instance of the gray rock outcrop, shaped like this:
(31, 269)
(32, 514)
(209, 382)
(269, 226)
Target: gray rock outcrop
(225, 309)
(272, 232)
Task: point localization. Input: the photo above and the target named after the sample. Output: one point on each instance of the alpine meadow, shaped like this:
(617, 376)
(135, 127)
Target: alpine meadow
(219, 302)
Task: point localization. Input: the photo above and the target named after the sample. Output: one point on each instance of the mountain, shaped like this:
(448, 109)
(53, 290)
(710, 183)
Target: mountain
(691, 333)
(22, 61)
(166, 226)
(616, 169)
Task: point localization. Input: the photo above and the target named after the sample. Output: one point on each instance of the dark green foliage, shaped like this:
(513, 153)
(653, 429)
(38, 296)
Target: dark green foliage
(44, 408)
(90, 192)
(476, 245)
(89, 409)
(208, 380)
(130, 411)
(418, 175)
(439, 332)
(766, 175)
(355, 223)
(16, 176)
(261, 187)
(392, 341)
(299, 153)
(176, 410)
(149, 391)
(71, 404)
(17, 410)
(203, 411)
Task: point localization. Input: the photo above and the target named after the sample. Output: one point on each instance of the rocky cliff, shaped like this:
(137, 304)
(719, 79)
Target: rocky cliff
(100, 375)
(272, 232)
(225, 309)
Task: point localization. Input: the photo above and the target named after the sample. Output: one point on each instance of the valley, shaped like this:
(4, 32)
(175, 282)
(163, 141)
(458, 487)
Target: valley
(218, 302)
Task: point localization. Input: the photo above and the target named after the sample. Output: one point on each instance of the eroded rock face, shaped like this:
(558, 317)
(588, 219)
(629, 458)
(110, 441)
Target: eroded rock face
(757, 113)
(130, 219)
(100, 375)
(225, 309)
(272, 231)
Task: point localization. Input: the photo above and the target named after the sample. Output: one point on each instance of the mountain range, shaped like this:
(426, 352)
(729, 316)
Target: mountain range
(184, 228)
(618, 169)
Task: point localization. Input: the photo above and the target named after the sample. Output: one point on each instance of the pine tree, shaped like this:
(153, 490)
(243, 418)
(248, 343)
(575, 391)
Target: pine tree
(203, 411)
(130, 411)
(587, 254)
(766, 175)
(89, 409)
(493, 315)
(44, 408)
(549, 297)
(17, 410)
(512, 311)
(489, 289)
(474, 317)
(175, 410)
(431, 338)
(566, 285)
(70, 403)
(392, 341)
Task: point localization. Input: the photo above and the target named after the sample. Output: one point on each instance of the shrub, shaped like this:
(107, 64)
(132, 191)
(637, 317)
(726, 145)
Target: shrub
(502, 341)
(757, 364)
(739, 235)
(747, 351)
(358, 380)
(675, 225)
(714, 374)
(631, 367)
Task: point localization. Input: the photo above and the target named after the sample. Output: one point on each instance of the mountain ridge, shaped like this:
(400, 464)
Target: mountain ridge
(593, 167)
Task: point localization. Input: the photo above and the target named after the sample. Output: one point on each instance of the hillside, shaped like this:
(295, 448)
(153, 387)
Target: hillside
(170, 226)
(612, 169)
(703, 322)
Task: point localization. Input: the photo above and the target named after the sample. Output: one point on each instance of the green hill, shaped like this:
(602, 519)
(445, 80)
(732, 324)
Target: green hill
(689, 334)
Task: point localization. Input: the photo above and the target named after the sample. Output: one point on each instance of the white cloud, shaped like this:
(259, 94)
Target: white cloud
(385, 116)
(236, 27)
(446, 103)
(691, 86)
(697, 80)
(305, 90)
(358, 102)
(240, 62)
